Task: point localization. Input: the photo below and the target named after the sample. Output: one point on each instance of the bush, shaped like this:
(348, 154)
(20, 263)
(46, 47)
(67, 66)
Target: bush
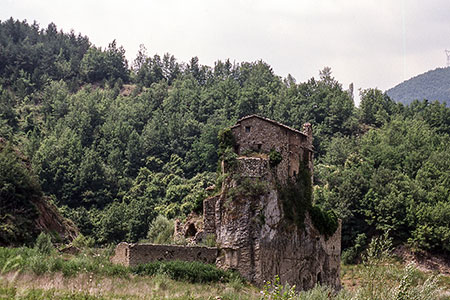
(44, 244)
(274, 158)
(275, 290)
(38, 264)
(82, 241)
(350, 255)
(325, 221)
(161, 231)
(194, 272)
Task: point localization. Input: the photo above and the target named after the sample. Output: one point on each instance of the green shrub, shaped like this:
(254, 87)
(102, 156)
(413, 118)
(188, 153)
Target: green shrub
(194, 272)
(274, 158)
(226, 140)
(325, 221)
(350, 255)
(210, 240)
(38, 264)
(161, 231)
(296, 196)
(82, 241)
(44, 244)
(275, 290)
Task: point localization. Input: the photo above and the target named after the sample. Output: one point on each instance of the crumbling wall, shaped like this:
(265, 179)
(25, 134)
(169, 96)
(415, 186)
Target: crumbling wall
(134, 254)
(209, 221)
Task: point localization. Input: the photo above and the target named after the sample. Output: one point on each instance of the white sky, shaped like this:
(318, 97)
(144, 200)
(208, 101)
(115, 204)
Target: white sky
(372, 43)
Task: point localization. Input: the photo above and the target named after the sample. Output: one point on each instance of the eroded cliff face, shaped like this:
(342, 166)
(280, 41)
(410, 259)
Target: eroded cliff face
(256, 239)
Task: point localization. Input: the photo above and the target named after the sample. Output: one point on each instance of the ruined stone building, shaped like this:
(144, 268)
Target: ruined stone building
(255, 216)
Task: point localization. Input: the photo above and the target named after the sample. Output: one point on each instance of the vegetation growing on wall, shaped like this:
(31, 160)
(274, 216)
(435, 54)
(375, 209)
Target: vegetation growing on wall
(274, 158)
(296, 196)
(325, 221)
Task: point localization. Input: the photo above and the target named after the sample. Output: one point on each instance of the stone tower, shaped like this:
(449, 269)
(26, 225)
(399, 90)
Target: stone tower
(261, 225)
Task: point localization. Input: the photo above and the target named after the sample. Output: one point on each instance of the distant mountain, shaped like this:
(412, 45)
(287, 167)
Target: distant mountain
(432, 85)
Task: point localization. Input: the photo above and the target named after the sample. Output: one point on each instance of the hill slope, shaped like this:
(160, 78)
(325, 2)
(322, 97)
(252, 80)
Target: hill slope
(432, 85)
(24, 210)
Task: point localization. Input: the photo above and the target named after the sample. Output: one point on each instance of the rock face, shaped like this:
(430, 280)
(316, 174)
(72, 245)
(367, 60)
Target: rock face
(255, 239)
(253, 233)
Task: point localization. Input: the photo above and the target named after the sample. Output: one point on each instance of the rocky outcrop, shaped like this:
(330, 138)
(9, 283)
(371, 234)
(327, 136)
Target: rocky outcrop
(50, 220)
(256, 239)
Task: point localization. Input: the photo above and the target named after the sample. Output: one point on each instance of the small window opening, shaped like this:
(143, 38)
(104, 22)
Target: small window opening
(259, 147)
(247, 128)
(295, 173)
(319, 278)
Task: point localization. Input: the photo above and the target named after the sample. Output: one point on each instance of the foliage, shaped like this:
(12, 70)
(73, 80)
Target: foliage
(382, 280)
(82, 241)
(325, 221)
(386, 183)
(182, 270)
(351, 254)
(274, 158)
(276, 291)
(29, 259)
(19, 187)
(226, 140)
(44, 244)
(296, 196)
(247, 187)
(115, 147)
(161, 231)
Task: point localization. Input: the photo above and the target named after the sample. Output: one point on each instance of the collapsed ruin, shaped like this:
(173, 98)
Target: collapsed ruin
(262, 218)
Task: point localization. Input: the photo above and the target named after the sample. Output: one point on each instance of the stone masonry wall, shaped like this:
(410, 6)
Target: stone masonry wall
(134, 254)
(254, 134)
(252, 166)
(209, 221)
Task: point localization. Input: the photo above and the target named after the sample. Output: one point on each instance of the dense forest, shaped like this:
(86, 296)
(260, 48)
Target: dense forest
(115, 144)
(432, 85)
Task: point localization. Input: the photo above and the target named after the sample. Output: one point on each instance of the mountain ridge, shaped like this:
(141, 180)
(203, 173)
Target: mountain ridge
(431, 85)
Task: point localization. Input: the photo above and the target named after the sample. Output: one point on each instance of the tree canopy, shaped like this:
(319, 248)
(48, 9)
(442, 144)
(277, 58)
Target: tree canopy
(117, 146)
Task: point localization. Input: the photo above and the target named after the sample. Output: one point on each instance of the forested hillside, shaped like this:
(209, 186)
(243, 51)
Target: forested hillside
(115, 146)
(432, 85)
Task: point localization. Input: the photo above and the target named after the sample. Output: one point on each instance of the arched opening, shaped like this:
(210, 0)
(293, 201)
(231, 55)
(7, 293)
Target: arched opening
(190, 231)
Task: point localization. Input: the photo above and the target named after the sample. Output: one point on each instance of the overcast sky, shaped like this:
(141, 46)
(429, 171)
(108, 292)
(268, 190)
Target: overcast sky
(376, 43)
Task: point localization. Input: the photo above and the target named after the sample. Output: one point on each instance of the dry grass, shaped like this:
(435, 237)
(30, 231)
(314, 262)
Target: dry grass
(133, 287)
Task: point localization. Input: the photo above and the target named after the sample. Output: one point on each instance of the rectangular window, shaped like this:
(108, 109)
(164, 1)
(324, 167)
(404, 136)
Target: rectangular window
(259, 147)
(247, 128)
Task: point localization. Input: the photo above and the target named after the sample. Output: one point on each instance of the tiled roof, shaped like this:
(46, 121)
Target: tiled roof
(268, 120)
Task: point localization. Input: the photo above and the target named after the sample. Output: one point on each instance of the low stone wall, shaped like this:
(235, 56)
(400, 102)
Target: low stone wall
(134, 254)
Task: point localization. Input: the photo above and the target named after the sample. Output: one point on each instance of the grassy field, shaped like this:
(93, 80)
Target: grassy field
(30, 274)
